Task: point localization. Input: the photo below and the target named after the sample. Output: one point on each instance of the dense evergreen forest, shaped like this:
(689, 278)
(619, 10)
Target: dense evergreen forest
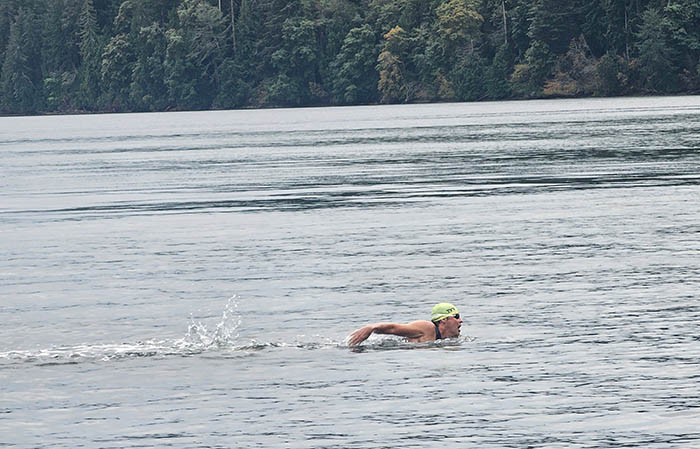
(153, 55)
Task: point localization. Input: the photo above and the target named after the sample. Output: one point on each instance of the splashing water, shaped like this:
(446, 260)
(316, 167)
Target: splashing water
(200, 338)
(224, 334)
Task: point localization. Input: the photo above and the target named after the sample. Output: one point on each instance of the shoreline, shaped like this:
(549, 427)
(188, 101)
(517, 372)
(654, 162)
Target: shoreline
(254, 108)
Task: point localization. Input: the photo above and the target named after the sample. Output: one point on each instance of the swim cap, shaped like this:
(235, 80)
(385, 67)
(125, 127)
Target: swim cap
(442, 311)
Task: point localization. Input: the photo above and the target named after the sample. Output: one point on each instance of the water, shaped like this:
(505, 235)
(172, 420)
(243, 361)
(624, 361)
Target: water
(189, 279)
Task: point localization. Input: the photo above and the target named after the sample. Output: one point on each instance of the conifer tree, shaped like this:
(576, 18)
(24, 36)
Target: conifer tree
(656, 55)
(354, 75)
(90, 52)
(19, 89)
(8, 12)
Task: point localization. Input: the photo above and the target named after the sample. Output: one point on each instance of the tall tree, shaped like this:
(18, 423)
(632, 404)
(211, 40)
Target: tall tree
(333, 19)
(90, 54)
(247, 58)
(519, 19)
(593, 19)
(355, 77)
(148, 91)
(297, 64)
(498, 73)
(553, 23)
(272, 15)
(242, 70)
(20, 87)
(196, 49)
(393, 86)
(684, 27)
(204, 28)
(656, 55)
(60, 54)
(459, 23)
(618, 28)
(54, 38)
(116, 70)
(8, 12)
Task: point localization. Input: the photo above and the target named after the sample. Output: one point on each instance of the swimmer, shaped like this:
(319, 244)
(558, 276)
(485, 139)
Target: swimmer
(444, 323)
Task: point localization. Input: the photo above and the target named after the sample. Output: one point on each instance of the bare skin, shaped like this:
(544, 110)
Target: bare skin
(415, 332)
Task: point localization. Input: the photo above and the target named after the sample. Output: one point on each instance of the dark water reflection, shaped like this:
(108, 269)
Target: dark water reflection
(567, 232)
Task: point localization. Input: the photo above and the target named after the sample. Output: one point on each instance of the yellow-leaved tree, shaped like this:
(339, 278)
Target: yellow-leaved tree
(458, 23)
(392, 84)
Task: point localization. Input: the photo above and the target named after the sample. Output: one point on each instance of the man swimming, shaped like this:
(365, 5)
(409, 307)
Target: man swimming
(444, 323)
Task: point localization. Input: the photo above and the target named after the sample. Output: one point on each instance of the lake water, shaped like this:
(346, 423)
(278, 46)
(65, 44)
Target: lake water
(188, 279)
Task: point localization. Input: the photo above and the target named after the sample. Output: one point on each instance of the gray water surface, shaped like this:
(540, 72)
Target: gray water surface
(189, 279)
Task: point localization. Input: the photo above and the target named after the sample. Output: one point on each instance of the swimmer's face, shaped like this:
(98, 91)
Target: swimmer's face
(452, 325)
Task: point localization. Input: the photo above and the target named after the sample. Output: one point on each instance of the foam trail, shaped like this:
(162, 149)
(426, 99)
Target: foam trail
(223, 338)
(198, 339)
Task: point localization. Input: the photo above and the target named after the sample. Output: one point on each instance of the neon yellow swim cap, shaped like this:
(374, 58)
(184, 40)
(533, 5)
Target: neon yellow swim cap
(442, 311)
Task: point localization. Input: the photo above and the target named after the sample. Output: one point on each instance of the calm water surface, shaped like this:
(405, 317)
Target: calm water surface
(188, 279)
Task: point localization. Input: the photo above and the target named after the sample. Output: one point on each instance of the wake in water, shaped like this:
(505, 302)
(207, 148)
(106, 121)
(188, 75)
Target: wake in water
(200, 338)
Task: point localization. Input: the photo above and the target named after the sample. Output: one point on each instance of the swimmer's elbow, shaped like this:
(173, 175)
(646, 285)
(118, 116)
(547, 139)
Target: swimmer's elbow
(384, 328)
(401, 330)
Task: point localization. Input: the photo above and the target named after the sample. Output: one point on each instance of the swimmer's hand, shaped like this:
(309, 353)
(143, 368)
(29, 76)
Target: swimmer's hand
(360, 335)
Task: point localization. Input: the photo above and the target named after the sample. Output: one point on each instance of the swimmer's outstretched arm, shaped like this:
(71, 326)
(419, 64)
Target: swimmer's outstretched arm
(412, 330)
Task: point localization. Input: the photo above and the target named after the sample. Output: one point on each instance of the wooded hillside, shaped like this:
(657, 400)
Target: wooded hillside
(152, 55)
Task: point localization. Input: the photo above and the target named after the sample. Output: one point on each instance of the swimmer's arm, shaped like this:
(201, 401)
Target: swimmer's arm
(412, 330)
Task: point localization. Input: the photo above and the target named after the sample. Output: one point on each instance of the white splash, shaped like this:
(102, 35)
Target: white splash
(198, 339)
(222, 338)
(224, 334)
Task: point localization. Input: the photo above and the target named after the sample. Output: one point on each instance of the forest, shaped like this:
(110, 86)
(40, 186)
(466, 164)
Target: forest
(68, 56)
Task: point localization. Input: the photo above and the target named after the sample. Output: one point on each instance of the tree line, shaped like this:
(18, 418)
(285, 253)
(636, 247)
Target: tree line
(152, 55)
